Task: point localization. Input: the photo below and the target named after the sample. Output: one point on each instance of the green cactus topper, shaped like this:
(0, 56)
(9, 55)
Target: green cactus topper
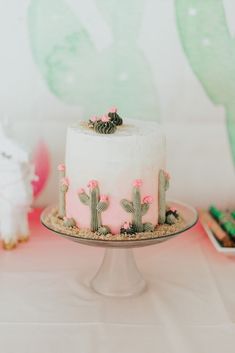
(63, 188)
(105, 125)
(163, 186)
(97, 203)
(138, 208)
(115, 118)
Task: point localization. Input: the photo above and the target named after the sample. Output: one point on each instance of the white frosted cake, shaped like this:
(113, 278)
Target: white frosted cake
(113, 180)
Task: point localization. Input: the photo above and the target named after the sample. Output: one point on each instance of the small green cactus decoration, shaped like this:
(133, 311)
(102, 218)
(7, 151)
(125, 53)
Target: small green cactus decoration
(136, 207)
(172, 216)
(63, 188)
(148, 227)
(105, 125)
(92, 121)
(104, 230)
(97, 204)
(128, 229)
(115, 118)
(69, 222)
(163, 186)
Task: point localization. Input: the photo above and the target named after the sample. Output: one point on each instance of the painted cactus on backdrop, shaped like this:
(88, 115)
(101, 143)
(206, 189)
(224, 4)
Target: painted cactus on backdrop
(210, 49)
(77, 72)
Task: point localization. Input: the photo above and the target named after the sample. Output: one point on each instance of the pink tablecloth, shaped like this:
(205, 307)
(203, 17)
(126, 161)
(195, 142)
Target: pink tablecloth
(46, 304)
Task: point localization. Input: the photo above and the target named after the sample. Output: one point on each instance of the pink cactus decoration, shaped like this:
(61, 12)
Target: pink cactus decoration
(92, 121)
(104, 198)
(167, 175)
(126, 225)
(92, 184)
(97, 204)
(105, 118)
(113, 110)
(63, 188)
(163, 185)
(137, 208)
(148, 199)
(65, 181)
(61, 167)
(106, 124)
(114, 117)
(94, 118)
(137, 183)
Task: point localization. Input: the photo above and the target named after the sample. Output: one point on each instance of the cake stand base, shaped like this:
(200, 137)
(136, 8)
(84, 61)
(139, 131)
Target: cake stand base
(118, 274)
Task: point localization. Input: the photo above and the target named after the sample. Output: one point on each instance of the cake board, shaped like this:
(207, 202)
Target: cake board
(118, 275)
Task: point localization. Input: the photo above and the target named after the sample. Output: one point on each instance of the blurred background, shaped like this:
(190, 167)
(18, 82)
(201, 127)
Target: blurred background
(164, 60)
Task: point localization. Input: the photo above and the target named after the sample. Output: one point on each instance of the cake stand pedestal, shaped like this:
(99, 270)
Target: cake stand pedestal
(118, 274)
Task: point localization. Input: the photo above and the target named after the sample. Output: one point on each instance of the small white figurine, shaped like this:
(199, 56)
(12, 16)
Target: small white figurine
(16, 193)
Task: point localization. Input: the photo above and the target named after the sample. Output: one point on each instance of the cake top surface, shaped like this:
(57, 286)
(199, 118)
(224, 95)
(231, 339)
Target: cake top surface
(131, 127)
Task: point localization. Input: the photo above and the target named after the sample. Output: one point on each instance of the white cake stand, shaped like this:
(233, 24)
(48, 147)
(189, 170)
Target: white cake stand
(118, 274)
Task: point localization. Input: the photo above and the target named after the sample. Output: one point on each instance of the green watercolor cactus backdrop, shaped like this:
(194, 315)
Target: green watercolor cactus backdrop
(77, 73)
(210, 49)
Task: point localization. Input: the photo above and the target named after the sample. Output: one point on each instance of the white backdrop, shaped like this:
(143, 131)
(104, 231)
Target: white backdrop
(199, 158)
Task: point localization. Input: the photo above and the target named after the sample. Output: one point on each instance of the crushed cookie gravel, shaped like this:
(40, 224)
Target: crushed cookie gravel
(52, 221)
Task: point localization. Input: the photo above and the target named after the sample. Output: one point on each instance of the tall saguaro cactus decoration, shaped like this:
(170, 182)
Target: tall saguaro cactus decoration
(210, 50)
(163, 186)
(97, 203)
(138, 208)
(63, 188)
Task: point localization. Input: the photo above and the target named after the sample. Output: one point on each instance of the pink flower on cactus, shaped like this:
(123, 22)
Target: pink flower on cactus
(126, 225)
(148, 199)
(61, 167)
(167, 175)
(92, 184)
(104, 198)
(137, 183)
(113, 110)
(94, 118)
(65, 181)
(105, 118)
(81, 191)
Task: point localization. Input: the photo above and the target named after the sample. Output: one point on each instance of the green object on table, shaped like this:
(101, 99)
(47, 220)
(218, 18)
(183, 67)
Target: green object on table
(229, 228)
(222, 218)
(216, 213)
(233, 214)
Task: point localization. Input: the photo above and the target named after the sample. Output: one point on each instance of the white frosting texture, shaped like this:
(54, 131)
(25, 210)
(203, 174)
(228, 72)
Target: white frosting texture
(135, 151)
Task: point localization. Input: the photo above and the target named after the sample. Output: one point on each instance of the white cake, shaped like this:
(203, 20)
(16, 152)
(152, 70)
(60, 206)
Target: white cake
(111, 181)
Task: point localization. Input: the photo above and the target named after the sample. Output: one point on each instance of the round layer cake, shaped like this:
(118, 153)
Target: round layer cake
(112, 180)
